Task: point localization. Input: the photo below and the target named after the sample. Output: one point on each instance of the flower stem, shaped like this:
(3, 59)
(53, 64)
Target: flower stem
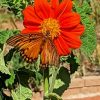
(46, 83)
(54, 75)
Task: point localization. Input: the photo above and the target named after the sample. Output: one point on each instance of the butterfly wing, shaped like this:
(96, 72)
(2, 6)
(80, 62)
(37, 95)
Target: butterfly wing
(28, 45)
(49, 53)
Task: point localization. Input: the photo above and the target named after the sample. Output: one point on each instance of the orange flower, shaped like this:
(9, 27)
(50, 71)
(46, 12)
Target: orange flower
(51, 30)
(57, 19)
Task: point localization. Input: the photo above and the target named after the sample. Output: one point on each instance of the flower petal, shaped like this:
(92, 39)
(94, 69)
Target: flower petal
(30, 18)
(78, 30)
(30, 30)
(70, 20)
(61, 46)
(59, 50)
(64, 6)
(54, 4)
(72, 40)
(42, 8)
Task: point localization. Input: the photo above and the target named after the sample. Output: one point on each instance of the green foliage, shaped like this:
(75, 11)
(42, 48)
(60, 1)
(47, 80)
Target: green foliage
(10, 81)
(21, 74)
(16, 6)
(58, 84)
(1, 96)
(14, 95)
(73, 62)
(62, 82)
(89, 36)
(3, 67)
(17, 61)
(5, 34)
(22, 93)
(54, 96)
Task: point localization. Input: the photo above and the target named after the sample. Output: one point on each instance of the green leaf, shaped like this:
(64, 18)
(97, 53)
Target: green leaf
(63, 59)
(16, 6)
(17, 61)
(14, 95)
(58, 84)
(72, 60)
(83, 6)
(5, 34)
(10, 81)
(89, 40)
(3, 67)
(8, 54)
(23, 93)
(89, 37)
(63, 78)
(23, 76)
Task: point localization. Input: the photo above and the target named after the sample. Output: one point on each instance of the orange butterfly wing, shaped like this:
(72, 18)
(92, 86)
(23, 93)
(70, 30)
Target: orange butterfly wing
(49, 54)
(28, 45)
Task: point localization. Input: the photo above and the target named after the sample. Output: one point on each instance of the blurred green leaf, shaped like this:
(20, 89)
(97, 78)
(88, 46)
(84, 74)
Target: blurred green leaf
(3, 67)
(23, 93)
(5, 34)
(14, 95)
(17, 61)
(23, 76)
(1, 96)
(63, 78)
(16, 6)
(63, 59)
(10, 81)
(58, 83)
(89, 36)
(72, 60)
(83, 7)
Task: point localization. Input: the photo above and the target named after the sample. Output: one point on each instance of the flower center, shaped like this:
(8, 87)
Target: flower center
(50, 26)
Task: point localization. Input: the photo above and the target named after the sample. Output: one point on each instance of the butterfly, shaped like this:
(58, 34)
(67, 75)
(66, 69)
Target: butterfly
(32, 45)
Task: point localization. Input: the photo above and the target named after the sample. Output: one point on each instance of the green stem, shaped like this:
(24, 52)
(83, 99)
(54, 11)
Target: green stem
(55, 95)
(54, 75)
(46, 83)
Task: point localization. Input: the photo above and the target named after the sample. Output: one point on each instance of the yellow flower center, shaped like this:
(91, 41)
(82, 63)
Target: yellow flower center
(50, 27)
